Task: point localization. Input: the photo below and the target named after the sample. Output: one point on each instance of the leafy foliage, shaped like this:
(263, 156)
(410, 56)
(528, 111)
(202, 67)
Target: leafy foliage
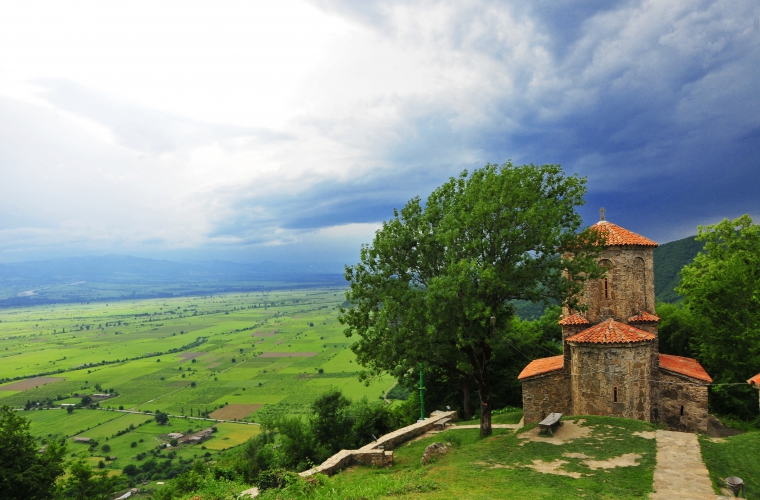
(290, 444)
(438, 283)
(669, 259)
(83, 483)
(24, 473)
(676, 329)
(722, 293)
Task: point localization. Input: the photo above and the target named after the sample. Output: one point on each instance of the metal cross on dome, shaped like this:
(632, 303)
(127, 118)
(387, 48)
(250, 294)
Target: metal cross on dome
(601, 213)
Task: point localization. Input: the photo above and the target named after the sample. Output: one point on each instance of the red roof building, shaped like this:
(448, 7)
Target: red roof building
(574, 319)
(611, 363)
(541, 367)
(644, 317)
(755, 380)
(689, 367)
(611, 332)
(618, 236)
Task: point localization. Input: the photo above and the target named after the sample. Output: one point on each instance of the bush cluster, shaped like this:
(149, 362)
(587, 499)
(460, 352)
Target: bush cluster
(288, 445)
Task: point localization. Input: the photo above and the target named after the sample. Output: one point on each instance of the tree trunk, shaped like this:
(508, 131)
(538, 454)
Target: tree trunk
(485, 410)
(466, 405)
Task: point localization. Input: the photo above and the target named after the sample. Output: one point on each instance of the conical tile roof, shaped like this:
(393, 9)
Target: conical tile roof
(619, 236)
(611, 332)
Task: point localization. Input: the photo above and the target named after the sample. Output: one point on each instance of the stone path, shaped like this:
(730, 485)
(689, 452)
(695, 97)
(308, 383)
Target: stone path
(680, 472)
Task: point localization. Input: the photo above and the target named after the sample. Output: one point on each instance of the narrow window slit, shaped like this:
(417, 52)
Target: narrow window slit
(614, 397)
(682, 411)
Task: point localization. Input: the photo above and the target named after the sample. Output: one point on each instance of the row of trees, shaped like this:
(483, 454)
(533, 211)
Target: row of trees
(718, 321)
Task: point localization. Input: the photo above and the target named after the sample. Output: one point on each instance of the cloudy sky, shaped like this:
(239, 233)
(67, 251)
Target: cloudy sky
(287, 130)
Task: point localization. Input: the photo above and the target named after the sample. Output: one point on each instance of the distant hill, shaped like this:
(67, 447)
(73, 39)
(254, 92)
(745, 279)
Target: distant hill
(669, 259)
(114, 277)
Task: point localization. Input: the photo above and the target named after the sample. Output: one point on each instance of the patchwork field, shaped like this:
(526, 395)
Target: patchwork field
(235, 357)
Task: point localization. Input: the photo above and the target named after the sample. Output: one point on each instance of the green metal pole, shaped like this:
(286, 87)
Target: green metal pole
(422, 398)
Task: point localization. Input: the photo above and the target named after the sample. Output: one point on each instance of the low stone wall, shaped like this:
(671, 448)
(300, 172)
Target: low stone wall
(677, 392)
(379, 452)
(397, 437)
(378, 458)
(546, 394)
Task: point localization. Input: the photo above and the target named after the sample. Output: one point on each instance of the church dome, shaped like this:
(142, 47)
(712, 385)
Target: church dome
(619, 236)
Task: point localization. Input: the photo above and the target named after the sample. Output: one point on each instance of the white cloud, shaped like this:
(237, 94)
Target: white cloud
(158, 126)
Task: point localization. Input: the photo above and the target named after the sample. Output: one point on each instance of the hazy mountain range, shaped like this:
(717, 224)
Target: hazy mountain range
(115, 277)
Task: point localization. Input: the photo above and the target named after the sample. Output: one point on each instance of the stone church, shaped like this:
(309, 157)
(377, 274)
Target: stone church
(611, 364)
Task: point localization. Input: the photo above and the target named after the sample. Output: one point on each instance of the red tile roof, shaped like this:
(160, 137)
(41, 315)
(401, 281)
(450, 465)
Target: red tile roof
(685, 366)
(541, 366)
(754, 380)
(617, 235)
(611, 332)
(574, 319)
(643, 317)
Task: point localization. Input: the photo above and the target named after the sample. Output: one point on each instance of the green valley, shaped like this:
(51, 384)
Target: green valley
(235, 359)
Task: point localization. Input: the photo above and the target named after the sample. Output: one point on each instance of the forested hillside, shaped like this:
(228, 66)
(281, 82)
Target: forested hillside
(669, 259)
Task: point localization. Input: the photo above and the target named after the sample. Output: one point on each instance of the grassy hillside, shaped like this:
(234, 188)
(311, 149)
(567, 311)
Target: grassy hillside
(598, 458)
(669, 259)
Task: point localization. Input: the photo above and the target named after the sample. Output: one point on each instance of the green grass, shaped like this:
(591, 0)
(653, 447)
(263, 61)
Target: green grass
(34, 340)
(733, 456)
(497, 467)
(512, 417)
(60, 423)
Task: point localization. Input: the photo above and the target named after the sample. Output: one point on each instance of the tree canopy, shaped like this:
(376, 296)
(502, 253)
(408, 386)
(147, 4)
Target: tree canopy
(438, 282)
(721, 290)
(25, 473)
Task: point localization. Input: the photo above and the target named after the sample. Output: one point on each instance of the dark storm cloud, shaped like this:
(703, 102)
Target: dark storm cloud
(656, 103)
(371, 198)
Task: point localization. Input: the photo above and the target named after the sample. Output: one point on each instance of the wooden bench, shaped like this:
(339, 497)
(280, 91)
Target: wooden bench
(549, 422)
(441, 424)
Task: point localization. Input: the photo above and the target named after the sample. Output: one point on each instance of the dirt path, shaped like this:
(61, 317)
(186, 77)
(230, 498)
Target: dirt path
(680, 472)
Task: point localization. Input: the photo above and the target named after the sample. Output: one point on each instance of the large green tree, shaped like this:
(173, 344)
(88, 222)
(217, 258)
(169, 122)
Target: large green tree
(25, 473)
(721, 290)
(438, 282)
(84, 483)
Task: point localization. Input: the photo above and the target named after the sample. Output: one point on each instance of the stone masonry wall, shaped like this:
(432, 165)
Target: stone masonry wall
(601, 371)
(378, 452)
(546, 394)
(677, 392)
(630, 277)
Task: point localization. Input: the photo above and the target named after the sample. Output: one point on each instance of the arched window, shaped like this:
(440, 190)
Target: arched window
(606, 290)
(639, 286)
(614, 395)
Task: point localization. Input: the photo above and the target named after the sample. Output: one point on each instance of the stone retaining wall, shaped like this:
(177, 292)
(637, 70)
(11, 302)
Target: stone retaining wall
(682, 402)
(378, 452)
(549, 393)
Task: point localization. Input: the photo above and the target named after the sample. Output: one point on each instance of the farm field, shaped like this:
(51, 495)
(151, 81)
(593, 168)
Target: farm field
(243, 357)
